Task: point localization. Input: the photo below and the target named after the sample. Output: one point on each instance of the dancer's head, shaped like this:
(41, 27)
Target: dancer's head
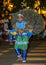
(20, 17)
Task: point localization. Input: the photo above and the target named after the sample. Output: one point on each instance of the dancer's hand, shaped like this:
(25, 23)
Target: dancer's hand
(30, 29)
(6, 30)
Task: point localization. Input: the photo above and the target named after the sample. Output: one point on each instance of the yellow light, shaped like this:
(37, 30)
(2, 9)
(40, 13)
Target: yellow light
(10, 16)
(10, 5)
(36, 4)
(39, 12)
(43, 12)
(2, 15)
(0, 21)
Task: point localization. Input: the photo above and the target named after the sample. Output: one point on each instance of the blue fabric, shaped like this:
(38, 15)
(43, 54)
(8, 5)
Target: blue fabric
(24, 34)
(20, 12)
(12, 30)
(18, 52)
(29, 34)
(10, 38)
(24, 55)
(21, 25)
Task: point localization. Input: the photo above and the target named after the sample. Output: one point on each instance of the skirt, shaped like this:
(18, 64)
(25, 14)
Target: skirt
(21, 43)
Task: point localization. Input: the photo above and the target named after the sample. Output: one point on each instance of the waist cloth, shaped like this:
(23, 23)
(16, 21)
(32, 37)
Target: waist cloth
(21, 42)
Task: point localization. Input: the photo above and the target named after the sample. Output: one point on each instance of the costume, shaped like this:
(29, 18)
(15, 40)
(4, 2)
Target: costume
(12, 35)
(22, 40)
(22, 37)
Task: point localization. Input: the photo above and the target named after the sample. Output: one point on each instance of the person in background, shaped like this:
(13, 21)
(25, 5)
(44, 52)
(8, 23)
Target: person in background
(5, 22)
(1, 28)
(11, 37)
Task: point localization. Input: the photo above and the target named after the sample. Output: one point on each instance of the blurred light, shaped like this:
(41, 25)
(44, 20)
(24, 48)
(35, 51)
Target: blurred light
(2, 15)
(38, 9)
(36, 4)
(10, 5)
(43, 12)
(0, 21)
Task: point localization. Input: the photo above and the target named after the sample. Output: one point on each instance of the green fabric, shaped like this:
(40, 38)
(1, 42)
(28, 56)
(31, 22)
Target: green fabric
(22, 47)
(25, 38)
(21, 40)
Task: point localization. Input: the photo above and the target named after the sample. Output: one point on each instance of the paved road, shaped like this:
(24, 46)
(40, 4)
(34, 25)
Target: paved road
(36, 54)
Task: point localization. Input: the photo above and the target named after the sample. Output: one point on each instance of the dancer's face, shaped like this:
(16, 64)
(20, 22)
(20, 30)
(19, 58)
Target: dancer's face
(20, 18)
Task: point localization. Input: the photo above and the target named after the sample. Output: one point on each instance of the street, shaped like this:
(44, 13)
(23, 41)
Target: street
(36, 54)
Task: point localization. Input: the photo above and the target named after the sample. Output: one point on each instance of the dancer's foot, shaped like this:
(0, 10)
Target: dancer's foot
(18, 56)
(23, 61)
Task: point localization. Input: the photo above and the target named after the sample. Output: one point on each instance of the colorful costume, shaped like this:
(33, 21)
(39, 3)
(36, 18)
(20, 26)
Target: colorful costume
(12, 35)
(22, 40)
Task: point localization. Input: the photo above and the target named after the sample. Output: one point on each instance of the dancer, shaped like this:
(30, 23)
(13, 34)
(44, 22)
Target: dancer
(22, 37)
